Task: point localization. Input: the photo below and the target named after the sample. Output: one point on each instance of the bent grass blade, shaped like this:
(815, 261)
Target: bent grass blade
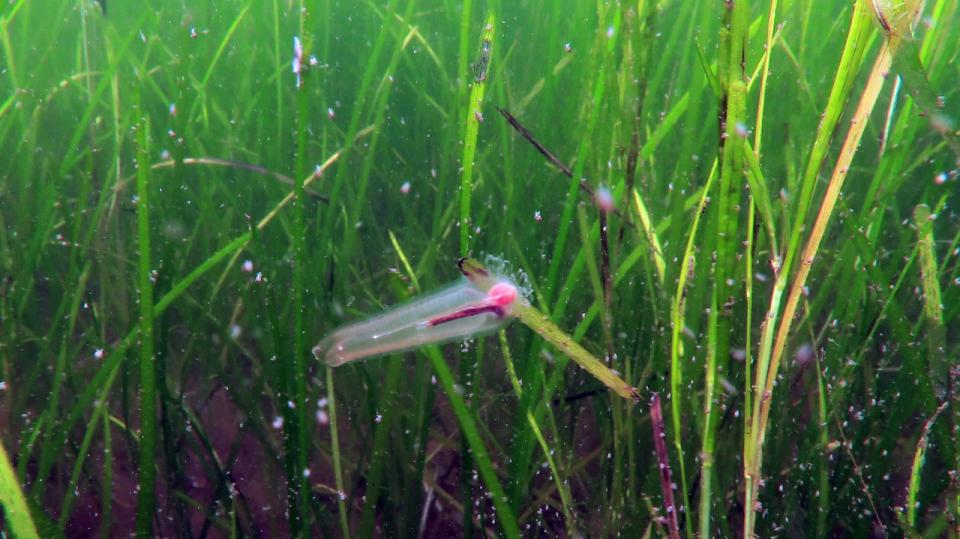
(537, 321)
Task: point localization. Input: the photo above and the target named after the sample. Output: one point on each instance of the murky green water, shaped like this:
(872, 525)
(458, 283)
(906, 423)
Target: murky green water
(194, 194)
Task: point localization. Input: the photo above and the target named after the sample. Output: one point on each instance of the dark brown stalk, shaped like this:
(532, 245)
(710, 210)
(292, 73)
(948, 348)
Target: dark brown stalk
(607, 284)
(666, 481)
(554, 160)
(525, 133)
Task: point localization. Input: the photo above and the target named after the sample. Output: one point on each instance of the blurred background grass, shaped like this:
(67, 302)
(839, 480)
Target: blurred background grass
(166, 269)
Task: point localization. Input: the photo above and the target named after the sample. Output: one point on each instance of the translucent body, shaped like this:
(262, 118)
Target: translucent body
(458, 311)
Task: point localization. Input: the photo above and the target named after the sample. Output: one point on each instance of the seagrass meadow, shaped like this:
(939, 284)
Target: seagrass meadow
(732, 224)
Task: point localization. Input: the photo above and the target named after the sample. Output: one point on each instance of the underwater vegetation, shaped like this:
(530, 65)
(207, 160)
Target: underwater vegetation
(708, 253)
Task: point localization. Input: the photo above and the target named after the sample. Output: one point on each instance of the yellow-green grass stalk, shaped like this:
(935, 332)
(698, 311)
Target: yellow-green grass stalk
(945, 376)
(13, 502)
(932, 298)
(335, 455)
(771, 353)
(678, 323)
(472, 120)
(564, 343)
(734, 35)
(919, 457)
(850, 61)
(650, 234)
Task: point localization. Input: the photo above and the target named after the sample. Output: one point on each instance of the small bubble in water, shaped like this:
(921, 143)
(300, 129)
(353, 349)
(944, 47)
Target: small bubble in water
(277, 422)
(804, 355)
(604, 200)
(247, 266)
(405, 188)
